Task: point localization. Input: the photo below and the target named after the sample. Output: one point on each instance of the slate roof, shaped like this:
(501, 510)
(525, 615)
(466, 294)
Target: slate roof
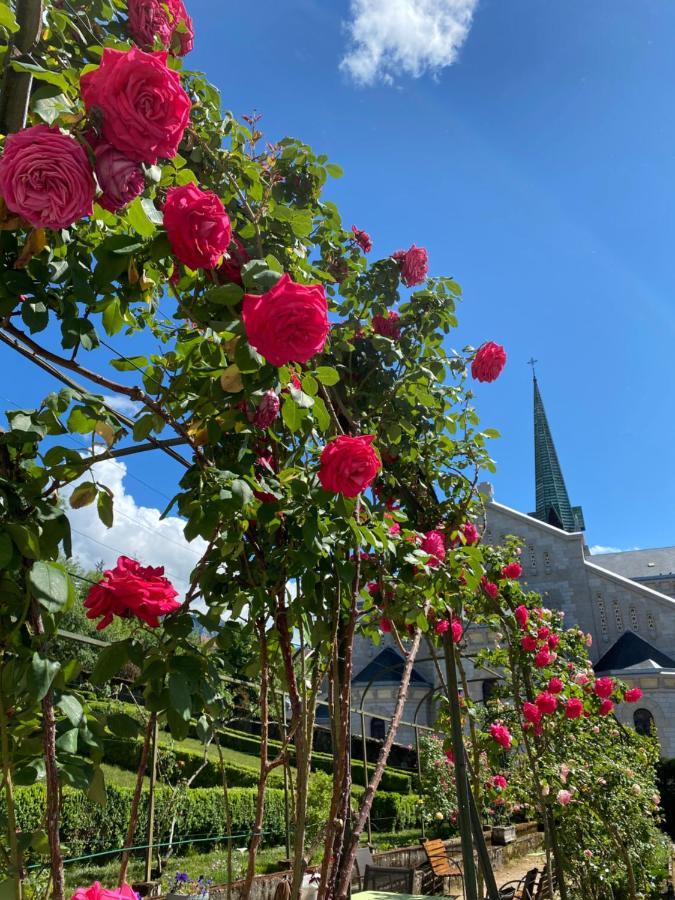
(629, 651)
(638, 564)
(387, 668)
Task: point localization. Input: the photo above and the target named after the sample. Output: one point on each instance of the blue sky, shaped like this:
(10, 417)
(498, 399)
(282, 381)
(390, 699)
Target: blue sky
(537, 167)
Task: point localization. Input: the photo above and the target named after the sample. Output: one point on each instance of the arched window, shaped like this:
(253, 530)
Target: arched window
(489, 686)
(643, 721)
(377, 729)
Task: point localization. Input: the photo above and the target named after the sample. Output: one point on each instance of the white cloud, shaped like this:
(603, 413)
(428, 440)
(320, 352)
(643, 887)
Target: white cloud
(137, 531)
(599, 548)
(412, 37)
(122, 404)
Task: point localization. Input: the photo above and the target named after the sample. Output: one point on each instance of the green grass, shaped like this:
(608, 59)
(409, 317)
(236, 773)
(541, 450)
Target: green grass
(121, 777)
(236, 757)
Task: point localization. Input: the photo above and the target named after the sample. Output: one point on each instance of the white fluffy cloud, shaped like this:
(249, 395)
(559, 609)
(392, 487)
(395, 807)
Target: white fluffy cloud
(137, 532)
(599, 548)
(412, 37)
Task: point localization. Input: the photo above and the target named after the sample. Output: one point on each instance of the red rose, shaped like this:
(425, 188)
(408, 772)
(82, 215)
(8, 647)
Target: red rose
(197, 226)
(513, 570)
(543, 658)
(543, 632)
(603, 688)
(546, 703)
(553, 641)
(574, 708)
(363, 239)
(501, 734)
(434, 544)
(457, 631)
(488, 362)
(287, 324)
(632, 695)
(442, 626)
(555, 685)
(385, 625)
(522, 615)
(166, 20)
(348, 465)
(414, 265)
(144, 107)
(235, 257)
(606, 708)
(529, 643)
(45, 177)
(131, 590)
(388, 326)
(489, 587)
(531, 713)
(121, 179)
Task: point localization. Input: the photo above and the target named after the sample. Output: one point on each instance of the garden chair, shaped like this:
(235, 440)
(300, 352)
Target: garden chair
(442, 864)
(521, 889)
(393, 879)
(364, 860)
(543, 889)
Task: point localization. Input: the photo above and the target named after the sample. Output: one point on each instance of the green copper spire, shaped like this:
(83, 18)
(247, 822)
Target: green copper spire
(553, 502)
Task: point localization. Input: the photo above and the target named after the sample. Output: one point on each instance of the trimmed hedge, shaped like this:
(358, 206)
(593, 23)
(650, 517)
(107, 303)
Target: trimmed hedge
(395, 812)
(87, 827)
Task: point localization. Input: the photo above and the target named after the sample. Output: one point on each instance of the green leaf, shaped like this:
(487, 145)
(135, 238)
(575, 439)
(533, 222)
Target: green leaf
(321, 414)
(83, 495)
(42, 74)
(50, 108)
(258, 277)
(291, 414)
(334, 170)
(6, 550)
(326, 375)
(139, 220)
(25, 540)
(50, 585)
(179, 695)
(109, 662)
(96, 789)
(310, 386)
(224, 295)
(123, 725)
(8, 21)
(67, 742)
(104, 504)
(129, 364)
(71, 708)
(112, 317)
(40, 676)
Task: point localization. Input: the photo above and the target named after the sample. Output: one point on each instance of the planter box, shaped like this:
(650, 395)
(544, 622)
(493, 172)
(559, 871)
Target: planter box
(146, 888)
(172, 896)
(503, 834)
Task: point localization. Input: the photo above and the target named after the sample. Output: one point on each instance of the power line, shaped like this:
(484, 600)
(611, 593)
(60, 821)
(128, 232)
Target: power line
(118, 550)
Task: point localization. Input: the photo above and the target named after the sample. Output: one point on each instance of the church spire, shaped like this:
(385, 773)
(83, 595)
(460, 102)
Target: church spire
(553, 502)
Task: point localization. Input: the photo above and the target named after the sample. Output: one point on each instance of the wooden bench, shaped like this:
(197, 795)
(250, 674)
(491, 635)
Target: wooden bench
(442, 864)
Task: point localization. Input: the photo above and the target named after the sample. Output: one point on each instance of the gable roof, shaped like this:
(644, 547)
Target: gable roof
(639, 563)
(387, 668)
(629, 651)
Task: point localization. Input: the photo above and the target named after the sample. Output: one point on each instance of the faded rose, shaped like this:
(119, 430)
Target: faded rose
(235, 257)
(131, 590)
(121, 179)
(144, 108)
(45, 177)
(413, 264)
(488, 362)
(363, 239)
(388, 326)
(349, 465)
(266, 411)
(165, 20)
(289, 323)
(197, 226)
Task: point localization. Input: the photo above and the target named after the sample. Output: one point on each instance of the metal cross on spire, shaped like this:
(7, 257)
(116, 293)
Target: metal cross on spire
(533, 362)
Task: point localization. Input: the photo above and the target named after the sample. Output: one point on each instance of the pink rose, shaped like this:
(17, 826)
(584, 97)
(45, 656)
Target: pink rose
(488, 362)
(229, 271)
(499, 783)
(564, 797)
(266, 412)
(131, 590)
(603, 688)
(489, 587)
(120, 179)
(470, 532)
(553, 641)
(543, 658)
(388, 326)
(522, 616)
(434, 544)
(457, 631)
(574, 708)
(632, 695)
(414, 265)
(531, 713)
(442, 626)
(581, 678)
(97, 892)
(385, 626)
(546, 703)
(144, 107)
(197, 226)
(513, 570)
(349, 465)
(555, 686)
(166, 20)
(363, 239)
(45, 177)
(289, 323)
(606, 708)
(501, 734)
(529, 643)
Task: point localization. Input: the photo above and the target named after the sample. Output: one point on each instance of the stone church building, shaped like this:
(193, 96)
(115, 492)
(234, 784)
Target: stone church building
(626, 601)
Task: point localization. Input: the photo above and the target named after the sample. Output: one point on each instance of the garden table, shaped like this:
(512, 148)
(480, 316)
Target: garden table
(388, 895)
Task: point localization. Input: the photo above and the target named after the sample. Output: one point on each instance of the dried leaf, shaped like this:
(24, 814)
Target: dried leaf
(230, 380)
(35, 243)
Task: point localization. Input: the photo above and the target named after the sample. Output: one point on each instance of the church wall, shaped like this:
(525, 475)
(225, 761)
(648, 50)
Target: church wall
(659, 699)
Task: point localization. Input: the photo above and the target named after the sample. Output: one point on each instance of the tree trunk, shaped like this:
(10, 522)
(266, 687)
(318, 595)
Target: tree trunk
(15, 872)
(136, 800)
